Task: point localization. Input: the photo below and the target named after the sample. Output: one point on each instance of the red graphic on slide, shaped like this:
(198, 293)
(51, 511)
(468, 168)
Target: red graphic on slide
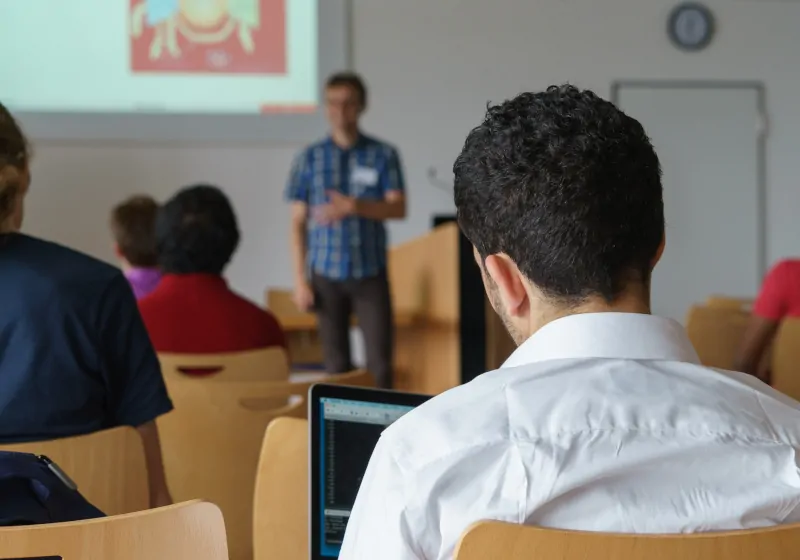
(208, 36)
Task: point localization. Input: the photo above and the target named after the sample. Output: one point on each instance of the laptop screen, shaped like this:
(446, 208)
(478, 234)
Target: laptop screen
(349, 431)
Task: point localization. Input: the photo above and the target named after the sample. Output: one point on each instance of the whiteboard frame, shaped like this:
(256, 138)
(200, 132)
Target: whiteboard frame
(334, 55)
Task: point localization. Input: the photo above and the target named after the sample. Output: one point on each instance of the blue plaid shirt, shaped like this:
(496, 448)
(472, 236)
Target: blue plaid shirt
(354, 247)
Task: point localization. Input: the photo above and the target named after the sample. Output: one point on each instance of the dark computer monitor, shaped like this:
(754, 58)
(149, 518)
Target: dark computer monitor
(345, 424)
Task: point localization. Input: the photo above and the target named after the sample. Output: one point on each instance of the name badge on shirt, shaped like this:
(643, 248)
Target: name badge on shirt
(364, 176)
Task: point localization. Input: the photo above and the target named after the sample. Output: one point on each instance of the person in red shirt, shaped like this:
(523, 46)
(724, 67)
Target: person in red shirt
(193, 310)
(779, 298)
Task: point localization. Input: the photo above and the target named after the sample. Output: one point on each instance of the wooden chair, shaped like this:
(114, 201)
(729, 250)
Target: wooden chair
(193, 530)
(212, 440)
(716, 333)
(280, 511)
(727, 302)
(267, 364)
(109, 467)
(502, 541)
(786, 359)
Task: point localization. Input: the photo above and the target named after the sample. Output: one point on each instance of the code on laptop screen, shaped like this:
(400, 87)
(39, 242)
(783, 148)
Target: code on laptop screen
(350, 431)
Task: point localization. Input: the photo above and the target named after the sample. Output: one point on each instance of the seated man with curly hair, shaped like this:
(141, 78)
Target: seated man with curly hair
(193, 310)
(603, 419)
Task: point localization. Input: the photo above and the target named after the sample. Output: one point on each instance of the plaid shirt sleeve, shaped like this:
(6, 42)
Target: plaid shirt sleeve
(392, 177)
(297, 189)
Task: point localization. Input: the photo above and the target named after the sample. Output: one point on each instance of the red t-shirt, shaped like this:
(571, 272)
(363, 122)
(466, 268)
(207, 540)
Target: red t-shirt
(199, 314)
(780, 293)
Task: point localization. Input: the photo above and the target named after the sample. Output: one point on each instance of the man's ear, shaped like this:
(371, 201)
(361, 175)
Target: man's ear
(117, 251)
(510, 286)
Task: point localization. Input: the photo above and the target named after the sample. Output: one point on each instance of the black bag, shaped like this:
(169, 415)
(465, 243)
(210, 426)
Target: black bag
(34, 490)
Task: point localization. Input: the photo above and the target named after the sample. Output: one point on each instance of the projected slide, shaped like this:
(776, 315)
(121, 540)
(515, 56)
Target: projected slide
(160, 56)
(238, 37)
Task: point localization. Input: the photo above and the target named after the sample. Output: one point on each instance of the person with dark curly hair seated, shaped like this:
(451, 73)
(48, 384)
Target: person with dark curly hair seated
(193, 310)
(603, 419)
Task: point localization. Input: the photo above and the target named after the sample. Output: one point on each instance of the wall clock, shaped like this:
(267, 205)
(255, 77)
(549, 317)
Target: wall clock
(691, 27)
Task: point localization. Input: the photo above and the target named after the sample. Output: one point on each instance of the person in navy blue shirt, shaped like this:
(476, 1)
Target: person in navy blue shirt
(342, 189)
(75, 357)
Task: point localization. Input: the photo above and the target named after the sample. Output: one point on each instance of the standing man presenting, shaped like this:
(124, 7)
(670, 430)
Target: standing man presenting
(342, 189)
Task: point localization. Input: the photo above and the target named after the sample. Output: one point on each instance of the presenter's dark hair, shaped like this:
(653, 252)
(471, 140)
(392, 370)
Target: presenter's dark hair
(567, 186)
(14, 157)
(196, 231)
(352, 80)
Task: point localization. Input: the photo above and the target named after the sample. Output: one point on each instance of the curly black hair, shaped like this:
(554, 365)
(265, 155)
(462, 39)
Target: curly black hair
(196, 231)
(569, 187)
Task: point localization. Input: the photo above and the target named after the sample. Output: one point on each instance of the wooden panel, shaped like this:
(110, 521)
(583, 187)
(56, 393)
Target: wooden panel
(501, 541)
(280, 514)
(423, 274)
(193, 530)
(109, 467)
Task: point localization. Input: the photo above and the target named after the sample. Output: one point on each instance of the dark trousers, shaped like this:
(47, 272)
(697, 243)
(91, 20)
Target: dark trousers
(370, 300)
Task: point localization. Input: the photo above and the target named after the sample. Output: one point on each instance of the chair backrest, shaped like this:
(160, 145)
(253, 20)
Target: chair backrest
(716, 333)
(193, 530)
(266, 364)
(280, 511)
(109, 467)
(490, 540)
(212, 441)
(744, 304)
(786, 359)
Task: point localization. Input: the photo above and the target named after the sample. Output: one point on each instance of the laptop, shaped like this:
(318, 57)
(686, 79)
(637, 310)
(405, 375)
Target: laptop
(345, 424)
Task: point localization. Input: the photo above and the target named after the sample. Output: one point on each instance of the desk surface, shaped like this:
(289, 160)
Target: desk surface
(308, 321)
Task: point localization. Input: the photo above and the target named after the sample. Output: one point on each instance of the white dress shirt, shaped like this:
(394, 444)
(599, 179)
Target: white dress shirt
(599, 422)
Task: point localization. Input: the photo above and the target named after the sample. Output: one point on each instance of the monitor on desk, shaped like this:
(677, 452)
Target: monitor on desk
(345, 425)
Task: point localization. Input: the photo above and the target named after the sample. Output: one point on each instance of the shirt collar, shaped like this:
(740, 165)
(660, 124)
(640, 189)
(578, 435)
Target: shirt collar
(137, 274)
(361, 142)
(629, 336)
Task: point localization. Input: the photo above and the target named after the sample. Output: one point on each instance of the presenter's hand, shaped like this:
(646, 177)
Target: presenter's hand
(339, 207)
(303, 296)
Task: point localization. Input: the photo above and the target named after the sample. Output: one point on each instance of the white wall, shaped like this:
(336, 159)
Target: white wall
(432, 66)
